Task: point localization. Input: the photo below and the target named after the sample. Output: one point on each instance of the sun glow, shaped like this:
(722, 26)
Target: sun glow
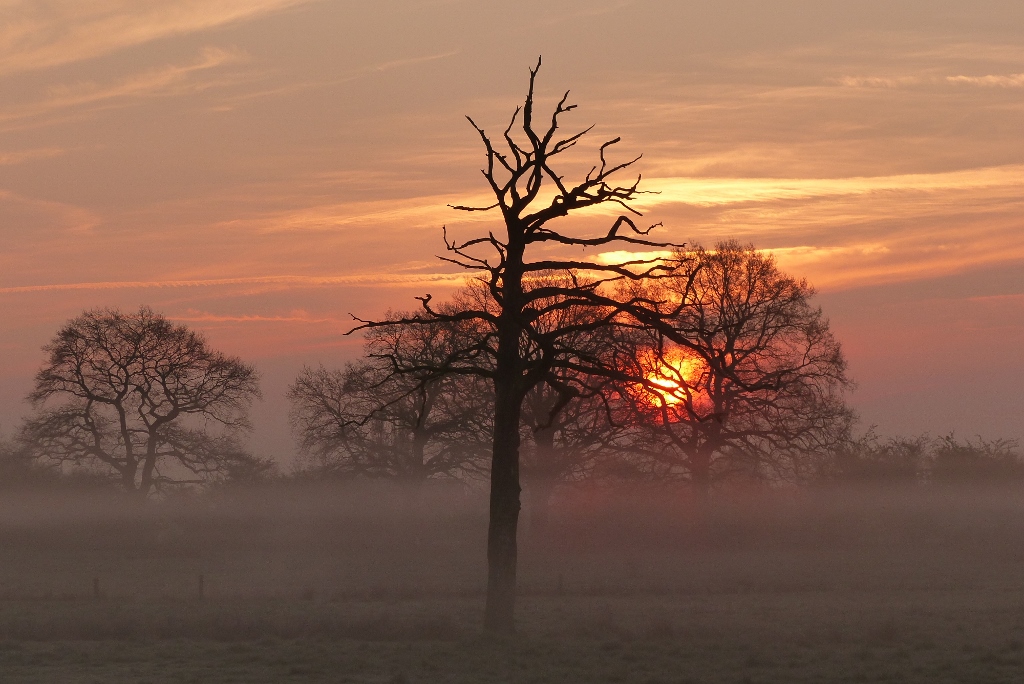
(672, 378)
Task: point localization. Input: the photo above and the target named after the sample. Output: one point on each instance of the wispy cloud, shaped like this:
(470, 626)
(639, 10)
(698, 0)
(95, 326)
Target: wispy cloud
(357, 280)
(168, 80)
(37, 35)
(45, 218)
(415, 211)
(990, 81)
(194, 316)
(810, 253)
(877, 81)
(21, 156)
(398, 63)
(620, 256)
(715, 191)
(296, 87)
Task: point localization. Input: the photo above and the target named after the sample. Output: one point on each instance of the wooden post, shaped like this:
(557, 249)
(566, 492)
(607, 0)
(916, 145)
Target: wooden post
(96, 588)
(201, 588)
(560, 585)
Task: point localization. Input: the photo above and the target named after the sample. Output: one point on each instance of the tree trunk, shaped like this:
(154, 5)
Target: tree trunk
(502, 551)
(148, 468)
(128, 480)
(700, 470)
(540, 490)
(417, 465)
(541, 483)
(499, 614)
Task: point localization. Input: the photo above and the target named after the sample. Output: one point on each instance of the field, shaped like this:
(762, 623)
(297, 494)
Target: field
(319, 584)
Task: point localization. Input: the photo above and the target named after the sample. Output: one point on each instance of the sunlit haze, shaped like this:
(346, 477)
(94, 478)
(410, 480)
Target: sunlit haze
(260, 169)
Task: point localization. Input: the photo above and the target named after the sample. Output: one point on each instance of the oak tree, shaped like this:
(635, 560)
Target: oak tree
(143, 398)
(755, 387)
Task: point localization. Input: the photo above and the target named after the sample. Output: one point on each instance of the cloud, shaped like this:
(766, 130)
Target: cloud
(809, 253)
(389, 279)
(47, 219)
(708, 192)
(848, 232)
(1011, 81)
(194, 316)
(620, 256)
(990, 81)
(21, 156)
(168, 80)
(292, 88)
(36, 35)
(398, 63)
(877, 81)
(416, 211)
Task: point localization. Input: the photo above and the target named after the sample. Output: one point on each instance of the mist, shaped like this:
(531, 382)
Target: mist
(377, 582)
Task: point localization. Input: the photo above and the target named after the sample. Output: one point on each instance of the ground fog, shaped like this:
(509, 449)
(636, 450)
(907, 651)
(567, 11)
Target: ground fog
(370, 583)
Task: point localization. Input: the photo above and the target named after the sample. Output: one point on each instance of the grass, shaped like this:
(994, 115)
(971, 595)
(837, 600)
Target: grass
(880, 588)
(758, 637)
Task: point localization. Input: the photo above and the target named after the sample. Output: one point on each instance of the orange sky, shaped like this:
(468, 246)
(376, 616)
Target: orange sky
(259, 168)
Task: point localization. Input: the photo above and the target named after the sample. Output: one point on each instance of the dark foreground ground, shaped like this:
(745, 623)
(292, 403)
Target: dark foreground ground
(352, 586)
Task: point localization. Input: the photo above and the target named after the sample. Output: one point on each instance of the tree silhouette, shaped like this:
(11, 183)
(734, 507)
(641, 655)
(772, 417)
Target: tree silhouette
(871, 459)
(757, 383)
(138, 395)
(573, 445)
(975, 460)
(514, 344)
(367, 421)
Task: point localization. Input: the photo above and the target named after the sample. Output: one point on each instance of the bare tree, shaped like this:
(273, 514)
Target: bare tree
(569, 446)
(143, 397)
(367, 421)
(756, 385)
(510, 347)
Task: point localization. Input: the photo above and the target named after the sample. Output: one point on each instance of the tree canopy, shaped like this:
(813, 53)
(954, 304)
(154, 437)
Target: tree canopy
(143, 398)
(756, 384)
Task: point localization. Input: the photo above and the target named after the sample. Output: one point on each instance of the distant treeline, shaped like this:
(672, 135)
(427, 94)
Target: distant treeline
(924, 460)
(869, 459)
(752, 390)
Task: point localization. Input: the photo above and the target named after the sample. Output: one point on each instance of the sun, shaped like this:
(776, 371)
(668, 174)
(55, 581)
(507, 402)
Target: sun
(673, 377)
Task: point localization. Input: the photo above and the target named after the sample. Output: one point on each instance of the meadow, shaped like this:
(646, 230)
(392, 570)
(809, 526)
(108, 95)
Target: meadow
(319, 583)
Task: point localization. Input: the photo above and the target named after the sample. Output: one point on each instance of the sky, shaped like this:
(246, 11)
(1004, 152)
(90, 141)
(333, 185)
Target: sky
(262, 169)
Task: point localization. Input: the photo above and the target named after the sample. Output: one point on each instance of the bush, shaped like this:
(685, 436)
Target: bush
(977, 460)
(872, 459)
(912, 460)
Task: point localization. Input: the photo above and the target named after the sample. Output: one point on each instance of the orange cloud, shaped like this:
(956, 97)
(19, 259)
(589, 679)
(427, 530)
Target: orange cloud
(878, 81)
(1011, 81)
(27, 219)
(715, 191)
(21, 156)
(36, 35)
(193, 316)
(169, 80)
(416, 211)
(358, 280)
